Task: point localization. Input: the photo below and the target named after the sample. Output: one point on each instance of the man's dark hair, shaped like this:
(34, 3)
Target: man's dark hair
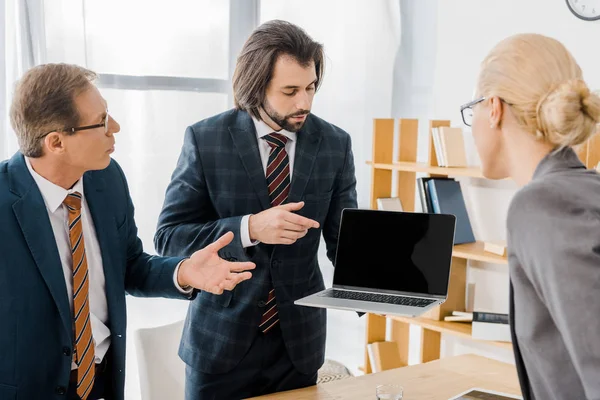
(256, 61)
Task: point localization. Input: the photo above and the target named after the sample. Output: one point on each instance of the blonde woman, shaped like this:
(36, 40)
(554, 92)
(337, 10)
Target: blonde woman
(532, 107)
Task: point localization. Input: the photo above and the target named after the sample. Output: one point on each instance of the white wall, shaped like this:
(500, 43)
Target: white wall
(360, 46)
(466, 31)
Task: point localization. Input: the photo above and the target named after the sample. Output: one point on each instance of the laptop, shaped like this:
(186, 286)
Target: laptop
(389, 262)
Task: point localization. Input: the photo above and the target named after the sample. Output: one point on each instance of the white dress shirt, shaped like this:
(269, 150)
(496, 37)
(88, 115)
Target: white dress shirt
(54, 196)
(262, 129)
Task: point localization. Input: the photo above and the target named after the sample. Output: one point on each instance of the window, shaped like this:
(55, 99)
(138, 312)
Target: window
(175, 38)
(161, 68)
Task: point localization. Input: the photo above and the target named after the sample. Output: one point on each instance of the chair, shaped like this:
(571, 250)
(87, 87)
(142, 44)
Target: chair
(162, 372)
(332, 371)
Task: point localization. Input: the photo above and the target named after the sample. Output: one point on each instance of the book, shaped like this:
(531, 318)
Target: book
(458, 318)
(453, 146)
(484, 394)
(423, 190)
(462, 313)
(435, 202)
(477, 316)
(496, 247)
(447, 198)
(437, 144)
(384, 356)
(389, 204)
(496, 318)
(423, 196)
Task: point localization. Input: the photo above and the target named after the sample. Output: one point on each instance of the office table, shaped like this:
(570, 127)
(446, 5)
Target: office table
(436, 380)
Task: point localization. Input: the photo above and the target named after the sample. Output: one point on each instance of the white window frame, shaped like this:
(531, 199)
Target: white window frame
(244, 17)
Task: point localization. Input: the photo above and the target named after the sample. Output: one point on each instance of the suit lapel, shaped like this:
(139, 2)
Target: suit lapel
(106, 231)
(32, 215)
(243, 135)
(307, 148)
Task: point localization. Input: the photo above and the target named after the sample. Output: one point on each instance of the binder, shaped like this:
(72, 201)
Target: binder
(447, 198)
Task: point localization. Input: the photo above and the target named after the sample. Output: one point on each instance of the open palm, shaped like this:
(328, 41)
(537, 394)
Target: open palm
(206, 271)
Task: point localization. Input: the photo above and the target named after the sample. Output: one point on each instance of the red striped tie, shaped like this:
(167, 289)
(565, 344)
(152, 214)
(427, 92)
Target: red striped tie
(84, 341)
(278, 182)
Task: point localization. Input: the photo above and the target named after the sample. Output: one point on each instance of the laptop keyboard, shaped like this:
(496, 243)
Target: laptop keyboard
(378, 298)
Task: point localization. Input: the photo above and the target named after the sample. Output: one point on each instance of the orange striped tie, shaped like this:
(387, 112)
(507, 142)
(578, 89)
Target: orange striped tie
(84, 341)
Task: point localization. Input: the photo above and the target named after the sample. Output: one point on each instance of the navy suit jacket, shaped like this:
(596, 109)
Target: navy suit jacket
(36, 333)
(219, 178)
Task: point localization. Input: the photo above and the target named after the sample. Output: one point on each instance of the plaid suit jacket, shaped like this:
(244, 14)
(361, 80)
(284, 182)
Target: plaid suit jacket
(219, 178)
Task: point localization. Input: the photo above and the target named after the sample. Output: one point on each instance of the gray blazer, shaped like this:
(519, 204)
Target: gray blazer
(218, 179)
(554, 260)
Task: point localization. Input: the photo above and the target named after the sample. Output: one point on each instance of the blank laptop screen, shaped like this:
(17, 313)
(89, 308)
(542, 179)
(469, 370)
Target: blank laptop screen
(395, 251)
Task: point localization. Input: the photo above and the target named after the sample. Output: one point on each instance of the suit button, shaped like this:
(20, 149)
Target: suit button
(276, 263)
(67, 351)
(61, 390)
(261, 304)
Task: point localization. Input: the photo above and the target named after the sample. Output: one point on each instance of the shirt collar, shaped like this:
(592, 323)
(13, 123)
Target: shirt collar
(262, 129)
(53, 195)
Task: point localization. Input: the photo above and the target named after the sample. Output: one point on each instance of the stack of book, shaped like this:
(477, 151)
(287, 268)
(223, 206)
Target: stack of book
(449, 146)
(444, 196)
(485, 325)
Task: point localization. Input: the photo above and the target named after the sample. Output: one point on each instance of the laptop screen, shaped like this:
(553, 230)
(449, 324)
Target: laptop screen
(395, 251)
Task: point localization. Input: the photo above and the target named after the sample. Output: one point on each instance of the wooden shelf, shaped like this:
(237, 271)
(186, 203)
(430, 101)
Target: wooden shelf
(474, 251)
(474, 172)
(459, 329)
(384, 183)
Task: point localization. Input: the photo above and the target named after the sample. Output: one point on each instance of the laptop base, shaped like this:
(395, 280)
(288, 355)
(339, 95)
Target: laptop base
(317, 300)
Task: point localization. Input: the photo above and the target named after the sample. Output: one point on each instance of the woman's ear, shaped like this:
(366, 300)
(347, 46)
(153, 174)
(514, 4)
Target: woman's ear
(496, 112)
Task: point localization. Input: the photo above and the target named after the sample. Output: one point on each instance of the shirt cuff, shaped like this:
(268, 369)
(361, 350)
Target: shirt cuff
(188, 289)
(245, 233)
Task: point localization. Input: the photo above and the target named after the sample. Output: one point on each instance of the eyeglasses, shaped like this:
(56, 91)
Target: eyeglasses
(82, 128)
(466, 111)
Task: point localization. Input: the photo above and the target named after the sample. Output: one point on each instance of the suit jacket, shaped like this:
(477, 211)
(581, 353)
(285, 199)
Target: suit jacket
(36, 334)
(554, 261)
(219, 178)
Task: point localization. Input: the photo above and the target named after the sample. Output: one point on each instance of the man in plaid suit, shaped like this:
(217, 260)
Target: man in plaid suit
(278, 177)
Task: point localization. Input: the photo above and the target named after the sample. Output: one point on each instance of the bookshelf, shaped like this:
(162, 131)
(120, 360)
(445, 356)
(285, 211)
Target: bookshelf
(474, 251)
(459, 329)
(382, 174)
(428, 169)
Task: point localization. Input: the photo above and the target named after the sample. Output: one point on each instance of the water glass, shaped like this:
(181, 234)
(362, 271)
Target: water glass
(389, 392)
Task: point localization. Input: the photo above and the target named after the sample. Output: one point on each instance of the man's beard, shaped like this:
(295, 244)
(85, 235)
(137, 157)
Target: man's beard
(284, 121)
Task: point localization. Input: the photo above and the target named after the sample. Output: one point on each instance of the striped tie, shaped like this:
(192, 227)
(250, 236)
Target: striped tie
(278, 182)
(84, 341)
(278, 169)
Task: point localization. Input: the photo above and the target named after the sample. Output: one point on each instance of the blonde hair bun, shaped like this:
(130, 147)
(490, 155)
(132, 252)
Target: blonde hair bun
(569, 114)
(544, 85)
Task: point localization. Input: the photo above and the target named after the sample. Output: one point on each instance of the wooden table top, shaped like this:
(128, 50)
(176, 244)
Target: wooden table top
(436, 380)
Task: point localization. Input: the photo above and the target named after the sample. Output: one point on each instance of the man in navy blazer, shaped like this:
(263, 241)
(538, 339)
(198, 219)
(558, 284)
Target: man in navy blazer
(70, 250)
(278, 177)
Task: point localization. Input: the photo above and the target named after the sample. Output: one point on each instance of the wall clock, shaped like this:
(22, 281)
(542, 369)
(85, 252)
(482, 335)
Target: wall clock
(587, 10)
